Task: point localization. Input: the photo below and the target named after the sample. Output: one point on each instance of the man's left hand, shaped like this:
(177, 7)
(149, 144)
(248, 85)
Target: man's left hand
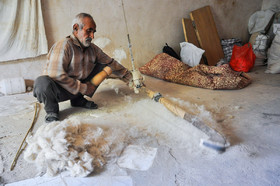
(137, 81)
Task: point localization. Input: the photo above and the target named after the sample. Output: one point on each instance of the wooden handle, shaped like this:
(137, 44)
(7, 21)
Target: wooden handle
(168, 104)
(150, 93)
(98, 78)
(172, 107)
(108, 70)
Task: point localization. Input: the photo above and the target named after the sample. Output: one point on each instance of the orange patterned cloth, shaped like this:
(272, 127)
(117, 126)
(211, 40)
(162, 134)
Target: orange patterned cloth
(170, 69)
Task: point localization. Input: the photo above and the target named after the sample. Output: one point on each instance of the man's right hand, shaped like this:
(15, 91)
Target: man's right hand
(90, 89)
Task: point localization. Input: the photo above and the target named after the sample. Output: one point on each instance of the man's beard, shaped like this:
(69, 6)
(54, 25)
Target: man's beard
(87, 42)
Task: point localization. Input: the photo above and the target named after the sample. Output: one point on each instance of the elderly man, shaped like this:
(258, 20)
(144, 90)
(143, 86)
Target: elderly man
(72, 63)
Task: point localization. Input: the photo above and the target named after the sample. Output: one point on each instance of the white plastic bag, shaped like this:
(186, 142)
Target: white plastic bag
(190, 54)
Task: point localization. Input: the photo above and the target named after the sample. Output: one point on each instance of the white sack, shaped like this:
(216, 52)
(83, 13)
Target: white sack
(273, 54)
(259, 20)
(276, 27)
(260, 43)
(14, 85)
(190, 54)
(22, 30)
(259, 48)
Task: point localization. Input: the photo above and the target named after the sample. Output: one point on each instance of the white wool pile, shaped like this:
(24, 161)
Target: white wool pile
(195, 110)
(68, 145)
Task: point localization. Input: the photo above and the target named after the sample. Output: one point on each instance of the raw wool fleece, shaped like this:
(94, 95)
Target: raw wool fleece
(68, 145)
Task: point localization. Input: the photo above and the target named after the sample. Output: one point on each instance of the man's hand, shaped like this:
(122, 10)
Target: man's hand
(90, 89)
(134, 80)
(137, 81)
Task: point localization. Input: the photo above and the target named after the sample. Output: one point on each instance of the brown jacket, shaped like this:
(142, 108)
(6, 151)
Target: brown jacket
(68, 63)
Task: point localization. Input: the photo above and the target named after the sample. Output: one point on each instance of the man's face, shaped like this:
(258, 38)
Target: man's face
(86, 34)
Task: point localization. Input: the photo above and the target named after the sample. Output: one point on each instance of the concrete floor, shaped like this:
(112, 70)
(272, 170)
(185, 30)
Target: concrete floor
(249, 118)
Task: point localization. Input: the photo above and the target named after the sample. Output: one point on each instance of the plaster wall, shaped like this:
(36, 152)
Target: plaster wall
(267, 4)
(151, 24)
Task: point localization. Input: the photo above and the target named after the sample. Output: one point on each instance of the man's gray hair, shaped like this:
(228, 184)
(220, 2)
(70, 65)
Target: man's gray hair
(78, 20)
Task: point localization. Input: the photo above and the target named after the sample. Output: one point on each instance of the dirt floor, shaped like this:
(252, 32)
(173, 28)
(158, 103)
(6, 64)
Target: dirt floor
(249, 118)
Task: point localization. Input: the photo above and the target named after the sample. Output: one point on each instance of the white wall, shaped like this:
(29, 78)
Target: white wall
(151, 23)
(270, 3)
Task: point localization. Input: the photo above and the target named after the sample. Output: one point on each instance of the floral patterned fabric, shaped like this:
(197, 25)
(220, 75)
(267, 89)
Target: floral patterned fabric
(170, 69)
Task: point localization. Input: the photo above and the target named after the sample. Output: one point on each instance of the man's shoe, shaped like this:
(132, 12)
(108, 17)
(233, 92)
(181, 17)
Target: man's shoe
(84, 103)
(50, 117)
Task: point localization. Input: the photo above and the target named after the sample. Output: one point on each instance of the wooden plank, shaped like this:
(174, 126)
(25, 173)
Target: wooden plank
(189, 33)
(207, 34)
